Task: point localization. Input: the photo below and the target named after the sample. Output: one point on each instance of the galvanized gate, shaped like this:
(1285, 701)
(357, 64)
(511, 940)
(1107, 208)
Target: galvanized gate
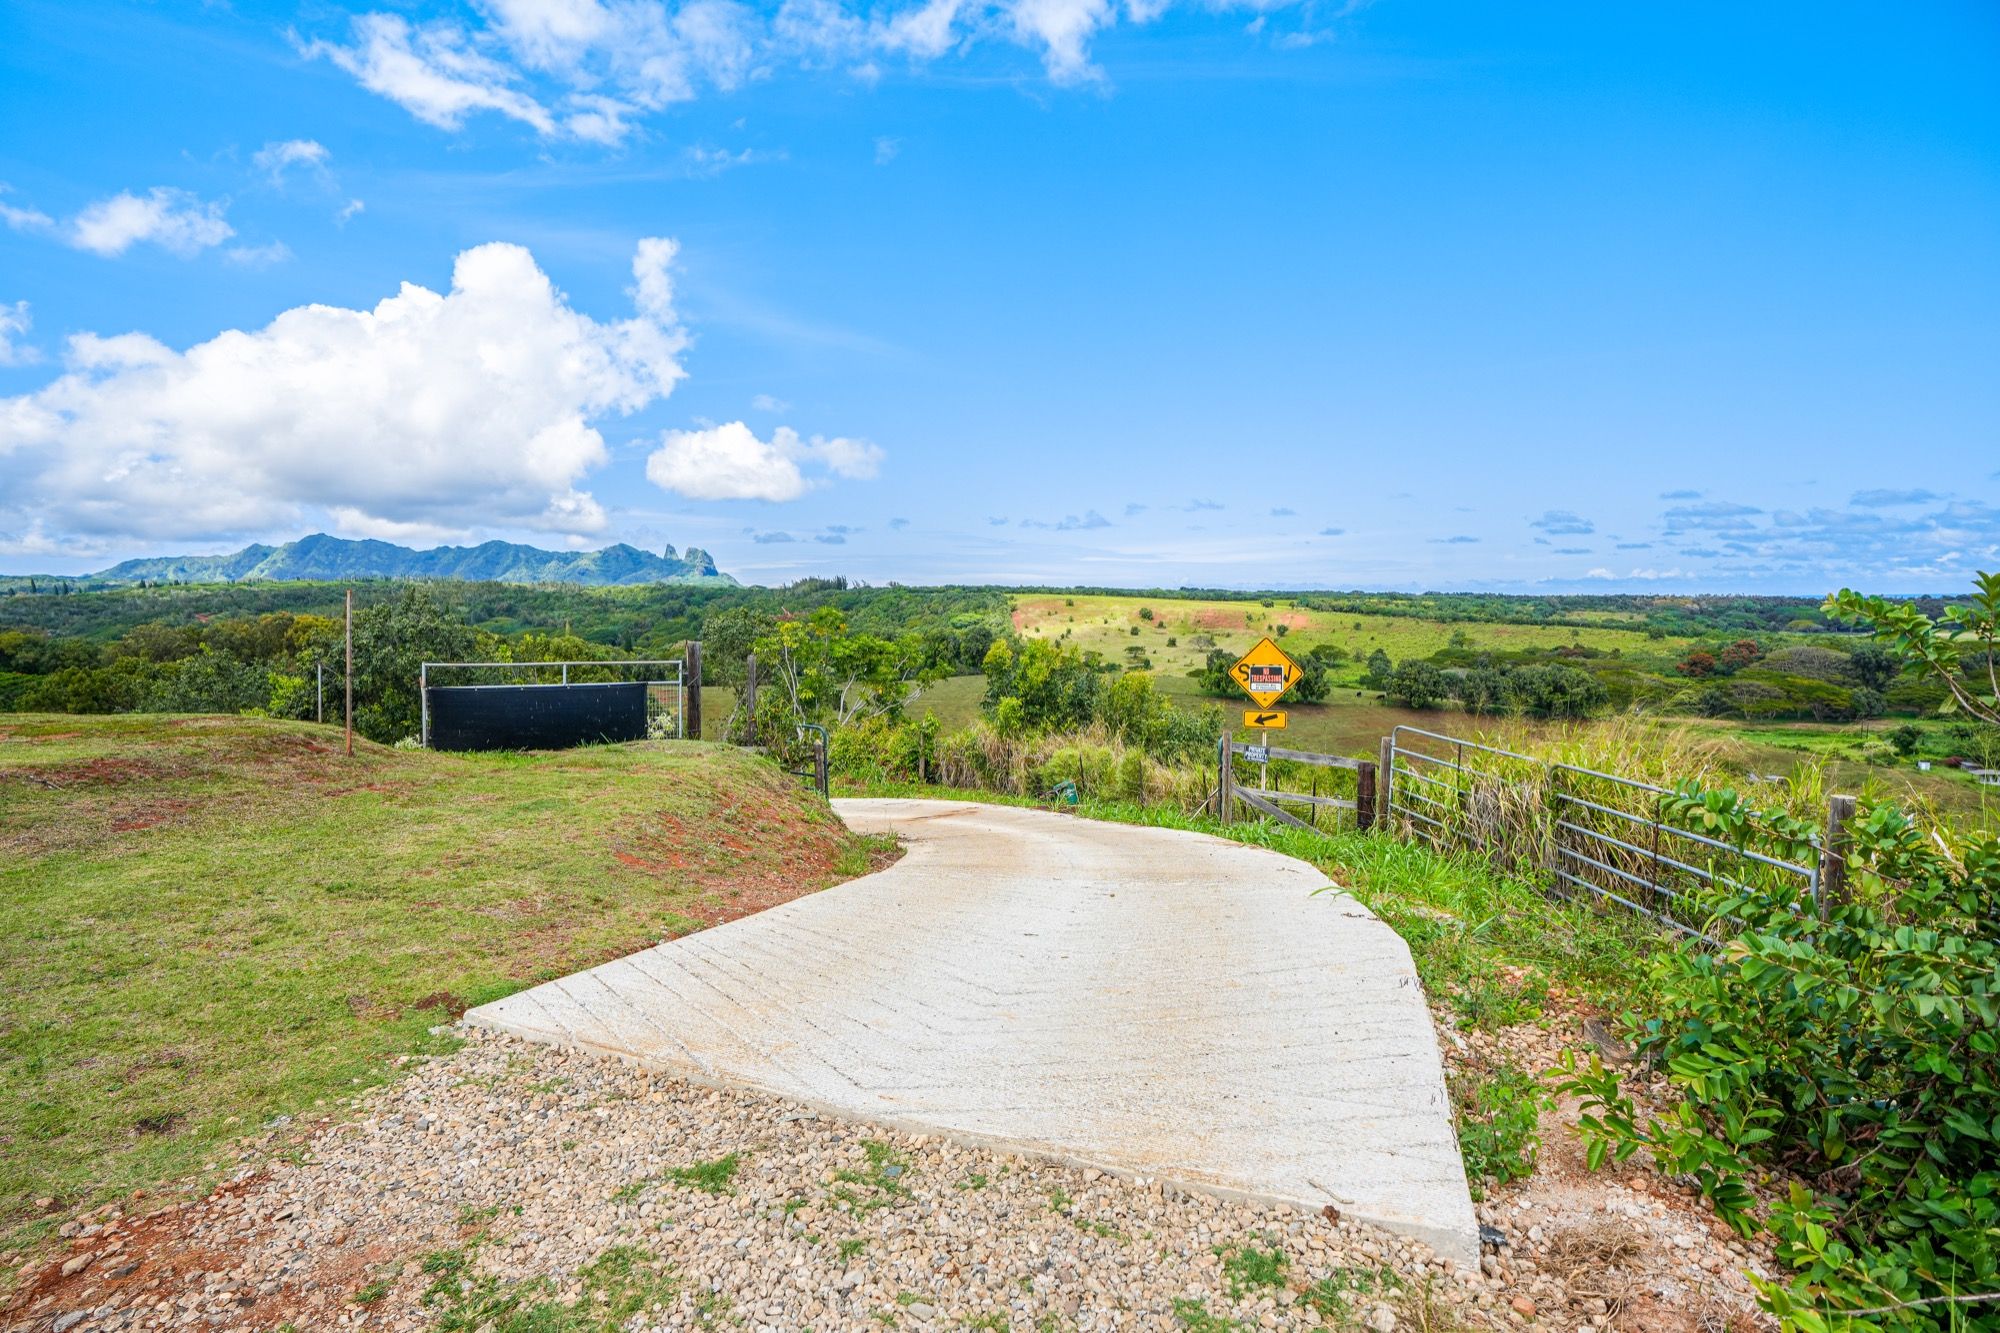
(1584, 831)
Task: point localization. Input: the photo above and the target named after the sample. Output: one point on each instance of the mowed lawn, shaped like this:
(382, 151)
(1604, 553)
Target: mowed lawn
(209, 922)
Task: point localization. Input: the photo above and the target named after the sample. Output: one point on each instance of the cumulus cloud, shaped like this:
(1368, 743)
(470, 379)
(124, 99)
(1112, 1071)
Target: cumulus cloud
(471, 406)
(593, 69)
(729, 462)
(14, 322)
(174, 220)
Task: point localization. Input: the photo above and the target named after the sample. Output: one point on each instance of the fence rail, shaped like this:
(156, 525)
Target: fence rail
(1266, 800)
(1583, 830)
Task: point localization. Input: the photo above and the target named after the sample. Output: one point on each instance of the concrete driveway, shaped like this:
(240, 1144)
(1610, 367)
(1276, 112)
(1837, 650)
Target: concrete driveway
(1147, 1001)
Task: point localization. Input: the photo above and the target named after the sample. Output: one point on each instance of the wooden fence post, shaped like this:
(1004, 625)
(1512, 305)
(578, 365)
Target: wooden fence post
(1225, 779)
(749, 709)
(1833, 853)
(1364, 796)
(1385, 768)
(692, 673)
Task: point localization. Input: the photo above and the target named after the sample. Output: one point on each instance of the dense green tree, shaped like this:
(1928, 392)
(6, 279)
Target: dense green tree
(1482, 690)
(392, 640)
(1416, 685)
(728, 637)
(211, 681)
(1380, 668)
(1874, 666)
(1556, 691)
(821, 671)
(1055, 687)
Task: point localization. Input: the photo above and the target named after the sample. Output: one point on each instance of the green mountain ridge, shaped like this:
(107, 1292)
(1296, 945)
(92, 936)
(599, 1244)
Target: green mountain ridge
(321, 558)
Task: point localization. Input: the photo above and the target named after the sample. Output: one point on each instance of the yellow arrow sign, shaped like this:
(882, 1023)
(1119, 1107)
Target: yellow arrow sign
(1265, 673)
(1257, 717)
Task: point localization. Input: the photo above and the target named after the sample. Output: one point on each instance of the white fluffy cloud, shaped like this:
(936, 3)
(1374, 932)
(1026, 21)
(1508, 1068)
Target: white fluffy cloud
(14, 322)
(433, 72)
(729, 462)
(591, 69)
(474, 407)
(275, 159)
(174, 220)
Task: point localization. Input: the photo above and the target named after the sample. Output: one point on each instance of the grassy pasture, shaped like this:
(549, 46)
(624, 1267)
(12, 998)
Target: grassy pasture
(1105, 623)
(206, 922)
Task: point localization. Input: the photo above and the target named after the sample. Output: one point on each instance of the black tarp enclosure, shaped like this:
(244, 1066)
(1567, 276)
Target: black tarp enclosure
(517, 706)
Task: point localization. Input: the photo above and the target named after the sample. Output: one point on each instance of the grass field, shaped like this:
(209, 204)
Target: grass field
(1105, 623)
(208, 922)
(1352, 722)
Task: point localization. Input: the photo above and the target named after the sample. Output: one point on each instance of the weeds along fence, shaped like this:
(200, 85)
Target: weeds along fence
(1582, 831)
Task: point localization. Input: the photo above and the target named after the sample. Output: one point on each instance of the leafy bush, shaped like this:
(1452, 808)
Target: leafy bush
(1860, 1054)
(1498, 1115)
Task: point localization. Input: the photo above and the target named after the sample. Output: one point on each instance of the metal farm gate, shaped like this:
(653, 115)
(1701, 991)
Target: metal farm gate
(560, 704)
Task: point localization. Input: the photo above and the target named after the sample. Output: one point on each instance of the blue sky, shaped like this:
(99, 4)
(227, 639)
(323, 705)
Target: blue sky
(1399, 295)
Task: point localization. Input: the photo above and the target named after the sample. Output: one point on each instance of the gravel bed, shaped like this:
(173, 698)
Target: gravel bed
(508, 1162)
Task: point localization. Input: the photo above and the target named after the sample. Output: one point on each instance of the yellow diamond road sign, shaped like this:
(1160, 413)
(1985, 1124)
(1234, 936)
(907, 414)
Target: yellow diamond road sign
(1265, 673)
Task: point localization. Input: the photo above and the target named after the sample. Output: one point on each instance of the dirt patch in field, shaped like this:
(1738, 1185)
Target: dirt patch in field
(1218, 618)
(101, 772)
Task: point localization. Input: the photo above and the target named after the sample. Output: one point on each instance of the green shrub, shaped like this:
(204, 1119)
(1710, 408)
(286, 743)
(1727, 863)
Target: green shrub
(1498, 1116)
(1860, 1054)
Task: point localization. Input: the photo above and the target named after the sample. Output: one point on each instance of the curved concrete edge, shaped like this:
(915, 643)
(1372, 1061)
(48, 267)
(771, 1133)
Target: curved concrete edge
(1447, 1226)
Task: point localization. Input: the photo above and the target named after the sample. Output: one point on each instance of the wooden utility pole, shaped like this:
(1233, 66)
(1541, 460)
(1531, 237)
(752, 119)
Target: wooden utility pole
(350, 673)
(1833, 853)
(693, 687)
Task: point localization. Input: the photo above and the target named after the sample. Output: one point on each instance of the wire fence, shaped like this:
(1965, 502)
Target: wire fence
(1581, 831)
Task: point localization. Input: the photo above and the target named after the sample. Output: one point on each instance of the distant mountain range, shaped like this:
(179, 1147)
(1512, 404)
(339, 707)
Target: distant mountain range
(331, 559)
